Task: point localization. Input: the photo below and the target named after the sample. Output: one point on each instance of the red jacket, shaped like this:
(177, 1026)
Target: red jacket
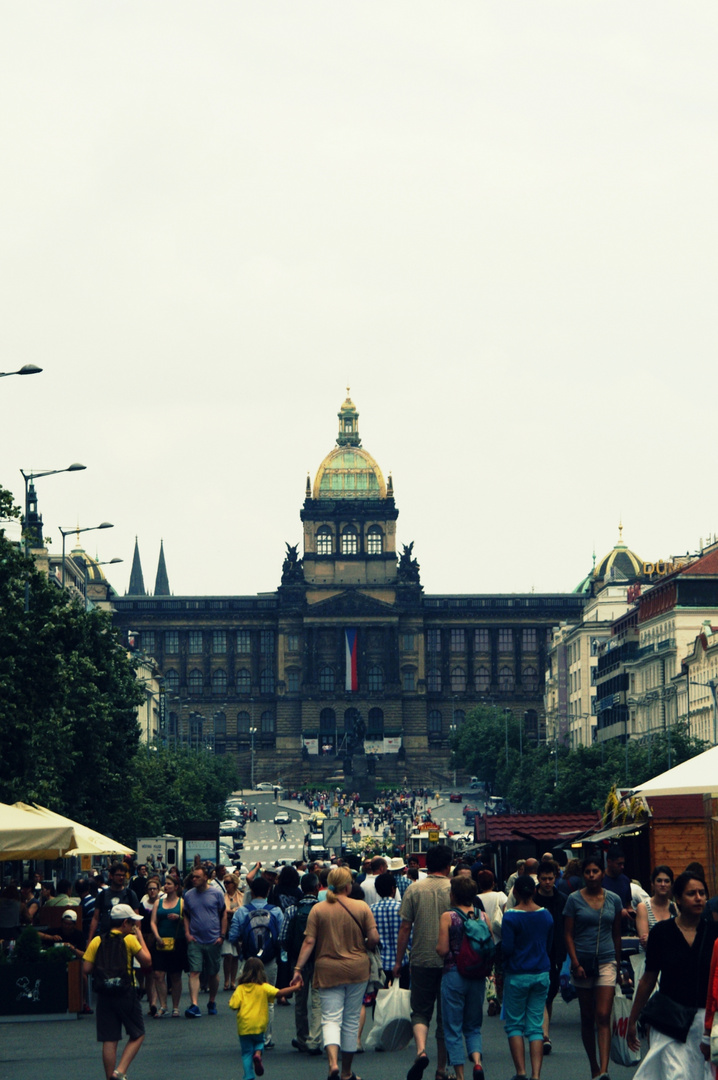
(712, 999)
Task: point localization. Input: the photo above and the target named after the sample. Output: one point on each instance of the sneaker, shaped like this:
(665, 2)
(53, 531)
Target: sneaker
(212, 1008)
(269, 1045)
(258, 1063)
(193, 1012)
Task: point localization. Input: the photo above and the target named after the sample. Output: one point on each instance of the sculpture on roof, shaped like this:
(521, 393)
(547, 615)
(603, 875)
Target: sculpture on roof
(408, 572)
(292, 567)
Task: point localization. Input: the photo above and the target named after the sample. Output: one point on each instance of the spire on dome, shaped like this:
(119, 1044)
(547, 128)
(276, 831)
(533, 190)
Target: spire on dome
(137, 582)
(348, 424)
(162, 584)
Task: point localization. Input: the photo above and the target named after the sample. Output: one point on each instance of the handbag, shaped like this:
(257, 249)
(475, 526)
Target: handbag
(168, 944)
(377, 978)
(668, 1016)
(621, 1052)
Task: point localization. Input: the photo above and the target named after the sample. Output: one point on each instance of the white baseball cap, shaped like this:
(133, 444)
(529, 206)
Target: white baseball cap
(120, 912)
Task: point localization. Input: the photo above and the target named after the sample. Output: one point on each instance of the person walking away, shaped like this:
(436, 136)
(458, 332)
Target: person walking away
(592, 931)
(494, 904)
(309, 1033)
(251, 999)
(462, 998)
(547, 896)
(256, 929)
(342, 930)
(680, 951)
(286, 894)
(376, 866)
(205, 923)
(423, 904)
(170, 957)
(110, 957)
(526, 936)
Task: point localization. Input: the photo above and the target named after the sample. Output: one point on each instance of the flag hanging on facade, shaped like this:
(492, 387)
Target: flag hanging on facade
(352, 677)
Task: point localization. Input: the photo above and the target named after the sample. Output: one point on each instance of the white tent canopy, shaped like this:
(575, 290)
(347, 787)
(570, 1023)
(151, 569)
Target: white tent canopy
(88, 842)
(697, 776)
(29, 836)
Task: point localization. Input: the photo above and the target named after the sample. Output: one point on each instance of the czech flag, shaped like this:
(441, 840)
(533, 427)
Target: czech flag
(352, 678)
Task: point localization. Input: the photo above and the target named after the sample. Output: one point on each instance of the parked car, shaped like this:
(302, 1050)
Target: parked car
(283, 818)
(228, 826)
(455, 796)
(264, 786)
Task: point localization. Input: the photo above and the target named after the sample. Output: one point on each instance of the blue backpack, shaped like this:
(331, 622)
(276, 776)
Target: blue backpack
(260, 934)
(477, 951)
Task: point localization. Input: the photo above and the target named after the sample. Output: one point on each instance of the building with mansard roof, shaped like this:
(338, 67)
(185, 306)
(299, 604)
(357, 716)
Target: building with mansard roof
(349, 657)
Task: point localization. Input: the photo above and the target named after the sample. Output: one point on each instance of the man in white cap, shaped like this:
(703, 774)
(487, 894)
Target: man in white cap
(117, 1001)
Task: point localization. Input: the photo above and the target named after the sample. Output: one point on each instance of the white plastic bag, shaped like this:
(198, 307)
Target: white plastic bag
(621, 1052)
(392, 1020)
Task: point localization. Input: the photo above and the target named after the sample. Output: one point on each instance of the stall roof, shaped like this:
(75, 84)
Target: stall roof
(612, 834)
(544, 828)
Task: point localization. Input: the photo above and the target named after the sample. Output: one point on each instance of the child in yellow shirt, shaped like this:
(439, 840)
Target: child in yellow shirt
(251, 1000)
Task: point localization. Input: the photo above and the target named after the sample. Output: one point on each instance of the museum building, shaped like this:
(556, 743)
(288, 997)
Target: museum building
(349, 647)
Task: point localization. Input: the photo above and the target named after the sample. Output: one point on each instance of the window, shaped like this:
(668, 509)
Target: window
(482, 680)
(266, 642)
(531, 731)
(434, 726)
(219, 682)
(506, 679)
(481, 640)
(433, 641)
(408, 643)
(147, 640)
(243, 719)
(195, 642)
(220, 725)
(243, 642)
(324, 540)
(171, 642)
(458, 680)
(529, 641)
(327, 721)
(219, 642)
(292, 642)
(195, 682)
(530, 679)
(172, 681)
(374, 540)
(408, 680)
(375, 724)
(506, 641)
(266, 681)
(458, 639)
(244, 681)
(376, 678)
(458, 717)
(267, 728)
(350, 541)
(293, 681)
(196, 724)
(172, 726)
(326, 680)
(433, 681)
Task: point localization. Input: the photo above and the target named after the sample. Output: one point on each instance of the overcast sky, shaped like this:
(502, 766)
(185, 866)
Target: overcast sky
(495, 222)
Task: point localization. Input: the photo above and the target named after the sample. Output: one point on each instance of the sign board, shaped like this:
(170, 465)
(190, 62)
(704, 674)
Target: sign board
(433, 836)
(332, 833)
(207, 849)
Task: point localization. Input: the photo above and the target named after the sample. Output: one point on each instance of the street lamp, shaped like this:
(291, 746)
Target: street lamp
(107, 562)
(252, 732)
(88, 528)
(26, 369)
(30, 486)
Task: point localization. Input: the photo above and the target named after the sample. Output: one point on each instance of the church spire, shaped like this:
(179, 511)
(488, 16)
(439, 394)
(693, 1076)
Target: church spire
(137, 582)
(348, 424)
(162, 585)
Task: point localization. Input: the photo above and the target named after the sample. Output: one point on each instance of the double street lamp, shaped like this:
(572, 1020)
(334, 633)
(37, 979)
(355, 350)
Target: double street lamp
(29, 479)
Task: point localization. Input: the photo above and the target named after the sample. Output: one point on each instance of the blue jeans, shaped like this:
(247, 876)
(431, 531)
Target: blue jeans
(462, 1003)
(524, 1000)
(250, 1044)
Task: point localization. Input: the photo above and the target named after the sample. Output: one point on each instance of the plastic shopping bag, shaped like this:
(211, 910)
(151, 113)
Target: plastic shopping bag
(568, 990)
(392, 1020)
(621, 1052)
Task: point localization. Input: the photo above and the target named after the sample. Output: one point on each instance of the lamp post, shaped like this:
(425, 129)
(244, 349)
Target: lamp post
(29, 478)
(452, 729)
(26, 369)
(87, 528)
(107, 562)
(507, 714)
(252, 732)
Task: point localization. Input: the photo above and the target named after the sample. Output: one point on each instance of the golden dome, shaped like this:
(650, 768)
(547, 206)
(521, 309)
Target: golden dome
(349, 472)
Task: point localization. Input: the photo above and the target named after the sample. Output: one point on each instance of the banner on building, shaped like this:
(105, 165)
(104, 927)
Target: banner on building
(312, 744)
(392, 744)
(352, 677)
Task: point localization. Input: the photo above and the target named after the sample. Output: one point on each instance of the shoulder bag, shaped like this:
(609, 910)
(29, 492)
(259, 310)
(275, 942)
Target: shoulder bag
(667, 1015)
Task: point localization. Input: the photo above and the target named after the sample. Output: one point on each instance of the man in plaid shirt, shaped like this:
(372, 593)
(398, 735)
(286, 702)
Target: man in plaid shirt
(397, 868)
(388, 920)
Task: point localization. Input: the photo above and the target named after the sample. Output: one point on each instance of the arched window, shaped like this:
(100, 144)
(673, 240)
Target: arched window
(530, 679)
(434, 726)
(266, 681)
(506, 680)
(376, 724)
(172, 682)
(376, 678)
(374, 540)
(458, 680)
(293, 681)
(219, 682)
(243, 724)
(267, 723)
(195, 682)
(482, 680)
(196, 724)
(220, 733)
(350, 541)
(327, 721)
(433, 681)
(324, 540)
(244, 681)
(457, 717)
(351, 719)
(326, 679)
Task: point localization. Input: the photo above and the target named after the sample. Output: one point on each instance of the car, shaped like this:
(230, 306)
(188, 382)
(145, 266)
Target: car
(455, 796)
(228, 826)
(264, 786)
(283, 818)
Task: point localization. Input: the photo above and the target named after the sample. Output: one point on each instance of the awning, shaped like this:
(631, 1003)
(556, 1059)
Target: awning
(87, 841)
(24, 835)
(612, 834)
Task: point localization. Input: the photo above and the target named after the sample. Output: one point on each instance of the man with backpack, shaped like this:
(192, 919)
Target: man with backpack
(256, 929)
(309, 1034)
(107, 899)
(108, 958)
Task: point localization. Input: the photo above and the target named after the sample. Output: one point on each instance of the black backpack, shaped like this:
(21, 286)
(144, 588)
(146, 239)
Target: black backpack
(260, 933)
(111, 974)
(296, 930)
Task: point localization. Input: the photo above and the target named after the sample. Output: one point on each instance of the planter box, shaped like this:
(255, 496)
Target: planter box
(39, 989)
